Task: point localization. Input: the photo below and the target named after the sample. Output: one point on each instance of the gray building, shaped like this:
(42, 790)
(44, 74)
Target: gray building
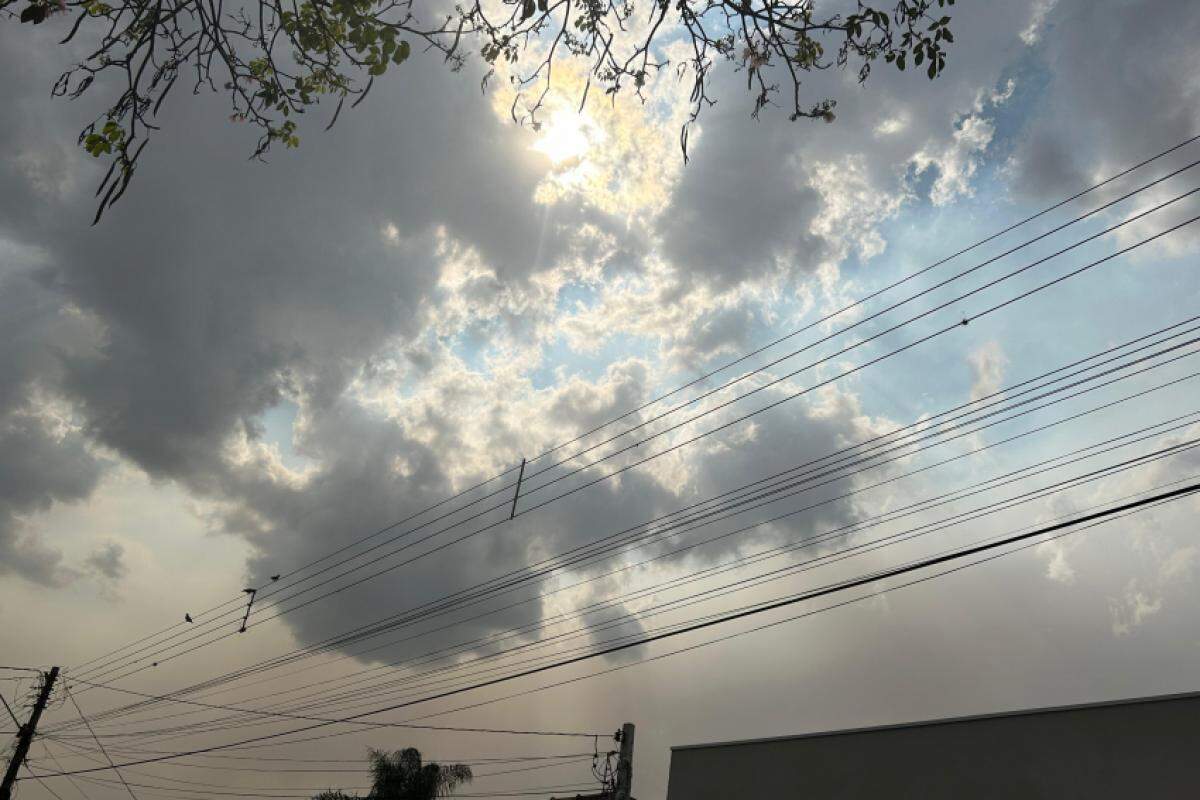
(1144, 748)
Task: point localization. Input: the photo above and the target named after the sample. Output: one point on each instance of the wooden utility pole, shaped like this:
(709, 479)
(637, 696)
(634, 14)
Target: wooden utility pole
(624, 785)
(25, 735)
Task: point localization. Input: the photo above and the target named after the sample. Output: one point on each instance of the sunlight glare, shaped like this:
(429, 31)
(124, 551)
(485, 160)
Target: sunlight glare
(567, 136)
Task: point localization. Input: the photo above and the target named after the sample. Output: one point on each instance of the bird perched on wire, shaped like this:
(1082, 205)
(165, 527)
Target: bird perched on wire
(187, 617)
(274, 577)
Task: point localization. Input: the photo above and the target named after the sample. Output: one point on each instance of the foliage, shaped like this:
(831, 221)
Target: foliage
(402, 776)
(275, 59)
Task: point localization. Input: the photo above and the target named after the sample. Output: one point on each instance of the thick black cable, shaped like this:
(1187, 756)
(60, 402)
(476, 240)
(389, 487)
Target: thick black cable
(691, 648)
(892, 515)
(766, 626)
(700, 645)
(814, 594)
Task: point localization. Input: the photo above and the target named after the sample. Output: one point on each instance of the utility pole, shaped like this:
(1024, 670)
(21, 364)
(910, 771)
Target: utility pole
(624, 784)
(25, 735)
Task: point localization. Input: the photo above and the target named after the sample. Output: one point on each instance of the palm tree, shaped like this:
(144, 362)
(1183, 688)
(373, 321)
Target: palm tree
(402, 776)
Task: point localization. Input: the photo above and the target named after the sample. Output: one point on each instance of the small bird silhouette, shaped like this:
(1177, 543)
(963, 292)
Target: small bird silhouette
(274, 577)
(966, 321)
(187, 617)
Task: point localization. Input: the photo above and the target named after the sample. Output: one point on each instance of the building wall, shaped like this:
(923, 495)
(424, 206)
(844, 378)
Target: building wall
(1140, 749)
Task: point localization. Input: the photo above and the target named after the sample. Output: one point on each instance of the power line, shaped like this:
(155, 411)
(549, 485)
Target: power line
(505, 731)
(918, 341)
(769, 625)
(691, 648)
(892, 515)
(182, 792)
(739, 398)
(971, 515)
(57, 763)
(510, 759)
(364, 767)
(373, 628)
(806, 596)
(837, 587)
(971, 432)
(45, 786)
(1153, 427)
(704, 377)
(99, 744)
(871, 317)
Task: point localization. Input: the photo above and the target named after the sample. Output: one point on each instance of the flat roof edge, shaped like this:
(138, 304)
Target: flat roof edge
(947, 720)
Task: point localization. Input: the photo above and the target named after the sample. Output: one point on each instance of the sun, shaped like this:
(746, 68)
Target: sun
(566, 137)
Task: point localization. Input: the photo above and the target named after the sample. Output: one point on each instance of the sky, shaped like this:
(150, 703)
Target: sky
(246, 367)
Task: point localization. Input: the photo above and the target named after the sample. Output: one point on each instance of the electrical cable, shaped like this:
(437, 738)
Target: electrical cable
(806, 596)
(971, 432)
(892, 515)
(853, 305)
(773, 404)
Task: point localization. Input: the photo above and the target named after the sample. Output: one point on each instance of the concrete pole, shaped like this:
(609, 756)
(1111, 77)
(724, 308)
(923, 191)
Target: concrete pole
(624, 787)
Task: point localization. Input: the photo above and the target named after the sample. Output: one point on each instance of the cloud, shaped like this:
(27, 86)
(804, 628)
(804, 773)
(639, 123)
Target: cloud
(741, 210)
(1108, 112)
(1168, 568)
(956, 162)
(1037, 19)
(988, 365)
(376, 467)
(1058, 568)
(38, 469)
(108, 561)
(45, 457)
(1132, 609)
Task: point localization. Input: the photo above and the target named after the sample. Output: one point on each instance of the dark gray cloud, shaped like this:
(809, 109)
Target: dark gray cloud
(742, 208)
(357, 489)
(108, 561)
(38, 469)
(770, 200)
(223, 286)
(1122, 85)
(38, 465)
